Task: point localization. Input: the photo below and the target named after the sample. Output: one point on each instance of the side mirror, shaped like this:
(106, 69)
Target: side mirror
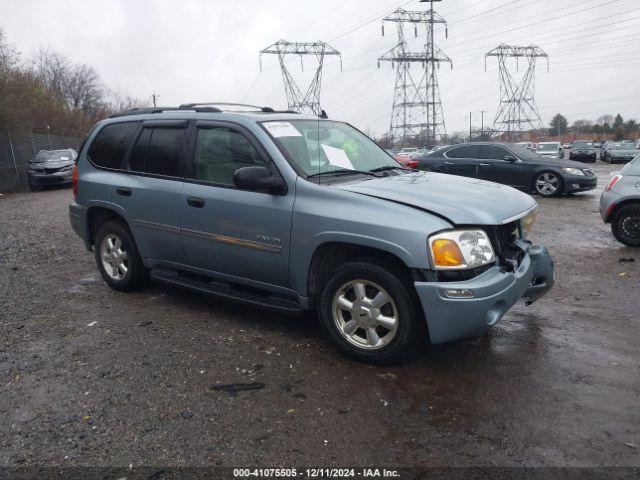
(258, 178)
(509, 158)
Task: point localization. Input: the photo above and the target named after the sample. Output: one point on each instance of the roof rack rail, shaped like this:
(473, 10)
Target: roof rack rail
(142, 111)
(197, 107)
(231, 104)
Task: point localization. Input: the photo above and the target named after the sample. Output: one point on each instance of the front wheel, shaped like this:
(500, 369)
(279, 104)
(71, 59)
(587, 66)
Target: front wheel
(118, 259)
(626, 225)
(548, 184)
(370, 313)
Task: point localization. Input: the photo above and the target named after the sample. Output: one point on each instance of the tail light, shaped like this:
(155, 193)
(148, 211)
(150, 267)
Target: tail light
(406, 161)
(614, 180)
(74, 180)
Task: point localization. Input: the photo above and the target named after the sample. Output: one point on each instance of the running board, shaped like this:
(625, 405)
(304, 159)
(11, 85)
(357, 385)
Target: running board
(229, 291)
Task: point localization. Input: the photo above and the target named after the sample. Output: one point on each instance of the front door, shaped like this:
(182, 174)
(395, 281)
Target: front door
(494, 168)
(237, 233)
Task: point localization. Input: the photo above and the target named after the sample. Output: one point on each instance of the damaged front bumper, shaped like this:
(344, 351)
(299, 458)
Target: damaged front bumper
(457, 310)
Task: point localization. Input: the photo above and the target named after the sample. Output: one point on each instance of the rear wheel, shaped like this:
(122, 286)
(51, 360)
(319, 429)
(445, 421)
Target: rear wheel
(548, 184)
(118, 259)
(370, 313)
(626, 225)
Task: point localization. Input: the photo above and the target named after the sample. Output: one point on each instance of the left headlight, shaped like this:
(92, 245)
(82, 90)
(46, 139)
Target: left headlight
(573, 171)
(460, 249)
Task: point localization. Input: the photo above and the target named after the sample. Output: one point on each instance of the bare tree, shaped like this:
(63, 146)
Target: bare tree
(8, 54)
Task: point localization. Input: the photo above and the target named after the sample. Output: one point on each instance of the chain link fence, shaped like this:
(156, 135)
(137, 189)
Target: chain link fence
(16, 151)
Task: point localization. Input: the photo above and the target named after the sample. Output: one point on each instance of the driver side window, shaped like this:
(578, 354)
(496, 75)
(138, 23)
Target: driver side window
(220, 151)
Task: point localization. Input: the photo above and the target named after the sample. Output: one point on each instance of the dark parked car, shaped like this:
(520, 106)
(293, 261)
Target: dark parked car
(51, 167)
(582, 150)
(511, 165)
(619, 152)
(620, 204)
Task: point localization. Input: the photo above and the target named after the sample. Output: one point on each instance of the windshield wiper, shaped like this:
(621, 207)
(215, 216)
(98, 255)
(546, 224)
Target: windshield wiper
(390, 167)
(344, 171)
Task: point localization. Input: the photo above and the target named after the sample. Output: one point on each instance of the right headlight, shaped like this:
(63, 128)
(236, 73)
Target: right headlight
(460, 249)
(573, 171)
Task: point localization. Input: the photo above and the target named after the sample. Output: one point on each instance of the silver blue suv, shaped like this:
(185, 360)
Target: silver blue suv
(301, 213)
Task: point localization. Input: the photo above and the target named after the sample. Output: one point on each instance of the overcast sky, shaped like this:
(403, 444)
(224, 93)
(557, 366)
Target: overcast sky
(200, 50)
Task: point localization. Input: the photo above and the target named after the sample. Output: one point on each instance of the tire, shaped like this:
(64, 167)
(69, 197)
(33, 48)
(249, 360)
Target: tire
(409, 328)
(115, 242)
(625, 226)
(543, 184)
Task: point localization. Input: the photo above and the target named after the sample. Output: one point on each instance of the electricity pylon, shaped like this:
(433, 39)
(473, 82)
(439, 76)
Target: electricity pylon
(309, 103)
(417, 109)
(517, 111)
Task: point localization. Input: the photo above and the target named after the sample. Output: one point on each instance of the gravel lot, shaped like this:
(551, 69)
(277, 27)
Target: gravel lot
(89, 376)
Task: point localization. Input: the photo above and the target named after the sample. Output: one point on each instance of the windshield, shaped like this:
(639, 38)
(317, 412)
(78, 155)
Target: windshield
(548, 147)
(318, 146)
(582, 145)
(53, 155)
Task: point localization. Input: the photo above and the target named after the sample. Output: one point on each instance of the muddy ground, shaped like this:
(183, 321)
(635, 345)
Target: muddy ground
(553, 384)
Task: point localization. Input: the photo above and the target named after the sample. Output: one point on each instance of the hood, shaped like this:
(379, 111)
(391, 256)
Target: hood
(55, 163)
(630, 151)
(461, 200)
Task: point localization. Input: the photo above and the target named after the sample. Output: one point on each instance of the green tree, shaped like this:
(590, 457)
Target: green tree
(618, 134)
(618, 123)
(606, 128)
(558, 125)
(631, 129)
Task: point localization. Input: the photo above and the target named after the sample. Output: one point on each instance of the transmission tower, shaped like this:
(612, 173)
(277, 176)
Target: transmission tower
(517, 111)
(417, 110)
(309, 103)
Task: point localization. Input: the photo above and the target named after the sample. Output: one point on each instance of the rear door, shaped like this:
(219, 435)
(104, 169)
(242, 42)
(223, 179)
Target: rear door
(462, 160)
(493, 167)
(151, 192)
(237, 233)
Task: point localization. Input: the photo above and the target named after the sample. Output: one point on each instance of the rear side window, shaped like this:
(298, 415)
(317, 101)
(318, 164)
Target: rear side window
(220, 151)
(466, 151)
(110, 145)
(157, 151)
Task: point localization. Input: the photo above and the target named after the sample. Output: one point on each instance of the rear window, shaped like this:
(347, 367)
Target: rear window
(632, 168)
(110, 145)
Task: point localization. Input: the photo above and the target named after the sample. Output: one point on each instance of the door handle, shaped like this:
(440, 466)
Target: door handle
(448, 163)
(195, 202)
(123, 191)
(485, 164)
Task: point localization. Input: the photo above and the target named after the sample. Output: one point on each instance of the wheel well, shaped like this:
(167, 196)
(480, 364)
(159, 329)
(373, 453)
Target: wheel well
(616, 209)
(329, 256)
(96, 216)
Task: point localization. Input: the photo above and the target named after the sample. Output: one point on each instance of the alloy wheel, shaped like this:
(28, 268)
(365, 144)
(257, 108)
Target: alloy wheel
(547, 184)
(114, 257)
(365, 314)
